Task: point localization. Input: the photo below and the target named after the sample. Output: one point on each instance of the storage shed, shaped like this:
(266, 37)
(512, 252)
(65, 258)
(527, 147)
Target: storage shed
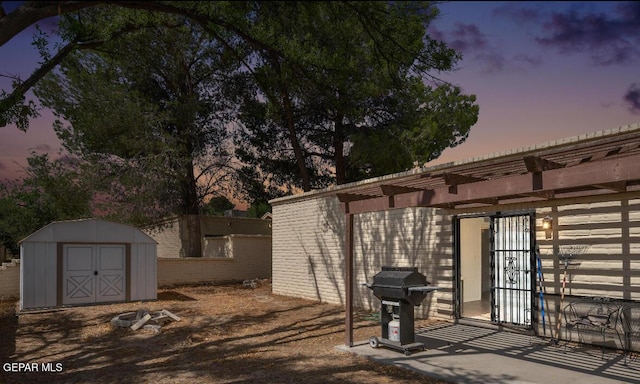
(86, 261)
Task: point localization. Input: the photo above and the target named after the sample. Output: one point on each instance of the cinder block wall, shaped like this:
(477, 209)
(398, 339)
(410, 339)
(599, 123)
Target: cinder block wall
(249, 258)
(10, 280)
(309, 252)
(171, 233)
(168, 238)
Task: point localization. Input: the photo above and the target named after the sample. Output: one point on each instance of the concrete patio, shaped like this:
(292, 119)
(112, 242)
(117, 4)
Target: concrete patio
(463, 353)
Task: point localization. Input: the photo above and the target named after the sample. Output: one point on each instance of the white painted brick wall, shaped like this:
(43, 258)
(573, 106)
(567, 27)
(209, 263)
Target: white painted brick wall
(611, 229)
(168, 238)
(250, 259)
(611, 265)
(309, 251)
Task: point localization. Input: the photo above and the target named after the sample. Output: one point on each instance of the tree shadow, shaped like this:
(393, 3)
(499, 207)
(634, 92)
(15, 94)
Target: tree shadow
(8, 327)
(173, 296)
(203, 346)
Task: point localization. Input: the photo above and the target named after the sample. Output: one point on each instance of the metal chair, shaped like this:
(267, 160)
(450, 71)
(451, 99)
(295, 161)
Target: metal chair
(630, 319)
(598, 314)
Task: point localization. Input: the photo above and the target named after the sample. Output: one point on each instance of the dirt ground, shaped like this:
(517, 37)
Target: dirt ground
(226, 334)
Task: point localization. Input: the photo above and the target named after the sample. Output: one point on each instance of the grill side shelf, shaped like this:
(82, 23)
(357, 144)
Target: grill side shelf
(424, 289)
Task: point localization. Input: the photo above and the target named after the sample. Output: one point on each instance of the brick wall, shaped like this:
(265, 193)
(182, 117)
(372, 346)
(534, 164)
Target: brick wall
(10, 279)
(249, 257)
(609, 268)
(611, 265)
(168, 237)
(171, 234)
(308, 252)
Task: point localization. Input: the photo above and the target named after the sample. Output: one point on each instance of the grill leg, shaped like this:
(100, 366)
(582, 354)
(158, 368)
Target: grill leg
(407, 331)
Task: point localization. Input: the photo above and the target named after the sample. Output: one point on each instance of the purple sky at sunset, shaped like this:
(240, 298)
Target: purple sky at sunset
(543, 71)
(540, 70)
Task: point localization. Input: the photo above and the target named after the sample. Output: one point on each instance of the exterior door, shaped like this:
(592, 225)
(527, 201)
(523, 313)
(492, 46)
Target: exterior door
(110, 280)
(512, 258)
(93, 273)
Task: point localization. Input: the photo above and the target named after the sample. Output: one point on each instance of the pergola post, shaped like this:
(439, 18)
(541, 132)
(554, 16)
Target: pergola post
(348, 279)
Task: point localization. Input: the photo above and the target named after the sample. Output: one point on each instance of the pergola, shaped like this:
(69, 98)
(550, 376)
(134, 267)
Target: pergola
(603, 164)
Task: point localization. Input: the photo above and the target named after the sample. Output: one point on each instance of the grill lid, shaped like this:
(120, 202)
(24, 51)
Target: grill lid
(400, 283)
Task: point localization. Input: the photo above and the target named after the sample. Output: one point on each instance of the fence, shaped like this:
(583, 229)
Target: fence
(245, 257)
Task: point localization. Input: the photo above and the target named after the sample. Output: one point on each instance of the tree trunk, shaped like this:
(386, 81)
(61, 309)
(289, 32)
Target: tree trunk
(338, 146)
(302, 166)
(289, 121)
(193, 240)
(192, 237)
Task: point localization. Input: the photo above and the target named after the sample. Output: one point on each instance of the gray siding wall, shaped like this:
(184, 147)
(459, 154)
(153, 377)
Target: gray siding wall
(309, 252)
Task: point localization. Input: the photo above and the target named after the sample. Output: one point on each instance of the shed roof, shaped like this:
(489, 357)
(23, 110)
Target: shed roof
(593, 164)
(89, 230)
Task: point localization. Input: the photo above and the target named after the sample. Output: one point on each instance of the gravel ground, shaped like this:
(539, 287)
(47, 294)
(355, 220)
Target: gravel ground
(226, 334)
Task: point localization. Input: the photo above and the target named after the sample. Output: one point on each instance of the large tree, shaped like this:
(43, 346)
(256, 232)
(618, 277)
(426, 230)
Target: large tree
(347, 97)
(149, 111)
(329, 81)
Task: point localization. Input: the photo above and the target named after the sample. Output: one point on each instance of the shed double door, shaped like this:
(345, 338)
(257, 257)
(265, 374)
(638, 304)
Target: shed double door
(93, 273)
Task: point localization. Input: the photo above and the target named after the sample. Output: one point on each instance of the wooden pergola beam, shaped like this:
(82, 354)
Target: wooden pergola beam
(539, 164)
(586, 175)
(620, 186)
(546, 195)
(350, 197)
(392, 190)
(453, 179)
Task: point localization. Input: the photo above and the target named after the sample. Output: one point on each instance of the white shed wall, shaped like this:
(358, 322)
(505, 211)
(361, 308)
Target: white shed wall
(144, 267)
(38, 272)
(39, 258)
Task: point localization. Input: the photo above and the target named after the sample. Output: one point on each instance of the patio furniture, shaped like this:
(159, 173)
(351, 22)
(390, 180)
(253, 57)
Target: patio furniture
(593, 315)
(630, 319)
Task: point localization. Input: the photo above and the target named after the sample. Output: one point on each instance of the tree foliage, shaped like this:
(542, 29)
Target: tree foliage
(149, 112)
(50, 191)
(216, 206)
(327, 92)
(350, 100)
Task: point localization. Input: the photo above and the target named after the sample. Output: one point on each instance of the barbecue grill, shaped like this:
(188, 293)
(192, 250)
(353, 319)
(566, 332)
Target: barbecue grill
(399, 289)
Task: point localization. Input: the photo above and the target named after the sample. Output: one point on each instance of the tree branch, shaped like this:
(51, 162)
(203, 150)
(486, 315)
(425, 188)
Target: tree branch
(31, 12)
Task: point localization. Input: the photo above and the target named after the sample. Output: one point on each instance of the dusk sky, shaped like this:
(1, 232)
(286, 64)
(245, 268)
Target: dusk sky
(540, 70)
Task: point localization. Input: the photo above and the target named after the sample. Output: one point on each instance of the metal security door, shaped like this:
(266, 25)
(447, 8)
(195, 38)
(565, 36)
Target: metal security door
(512, 269)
